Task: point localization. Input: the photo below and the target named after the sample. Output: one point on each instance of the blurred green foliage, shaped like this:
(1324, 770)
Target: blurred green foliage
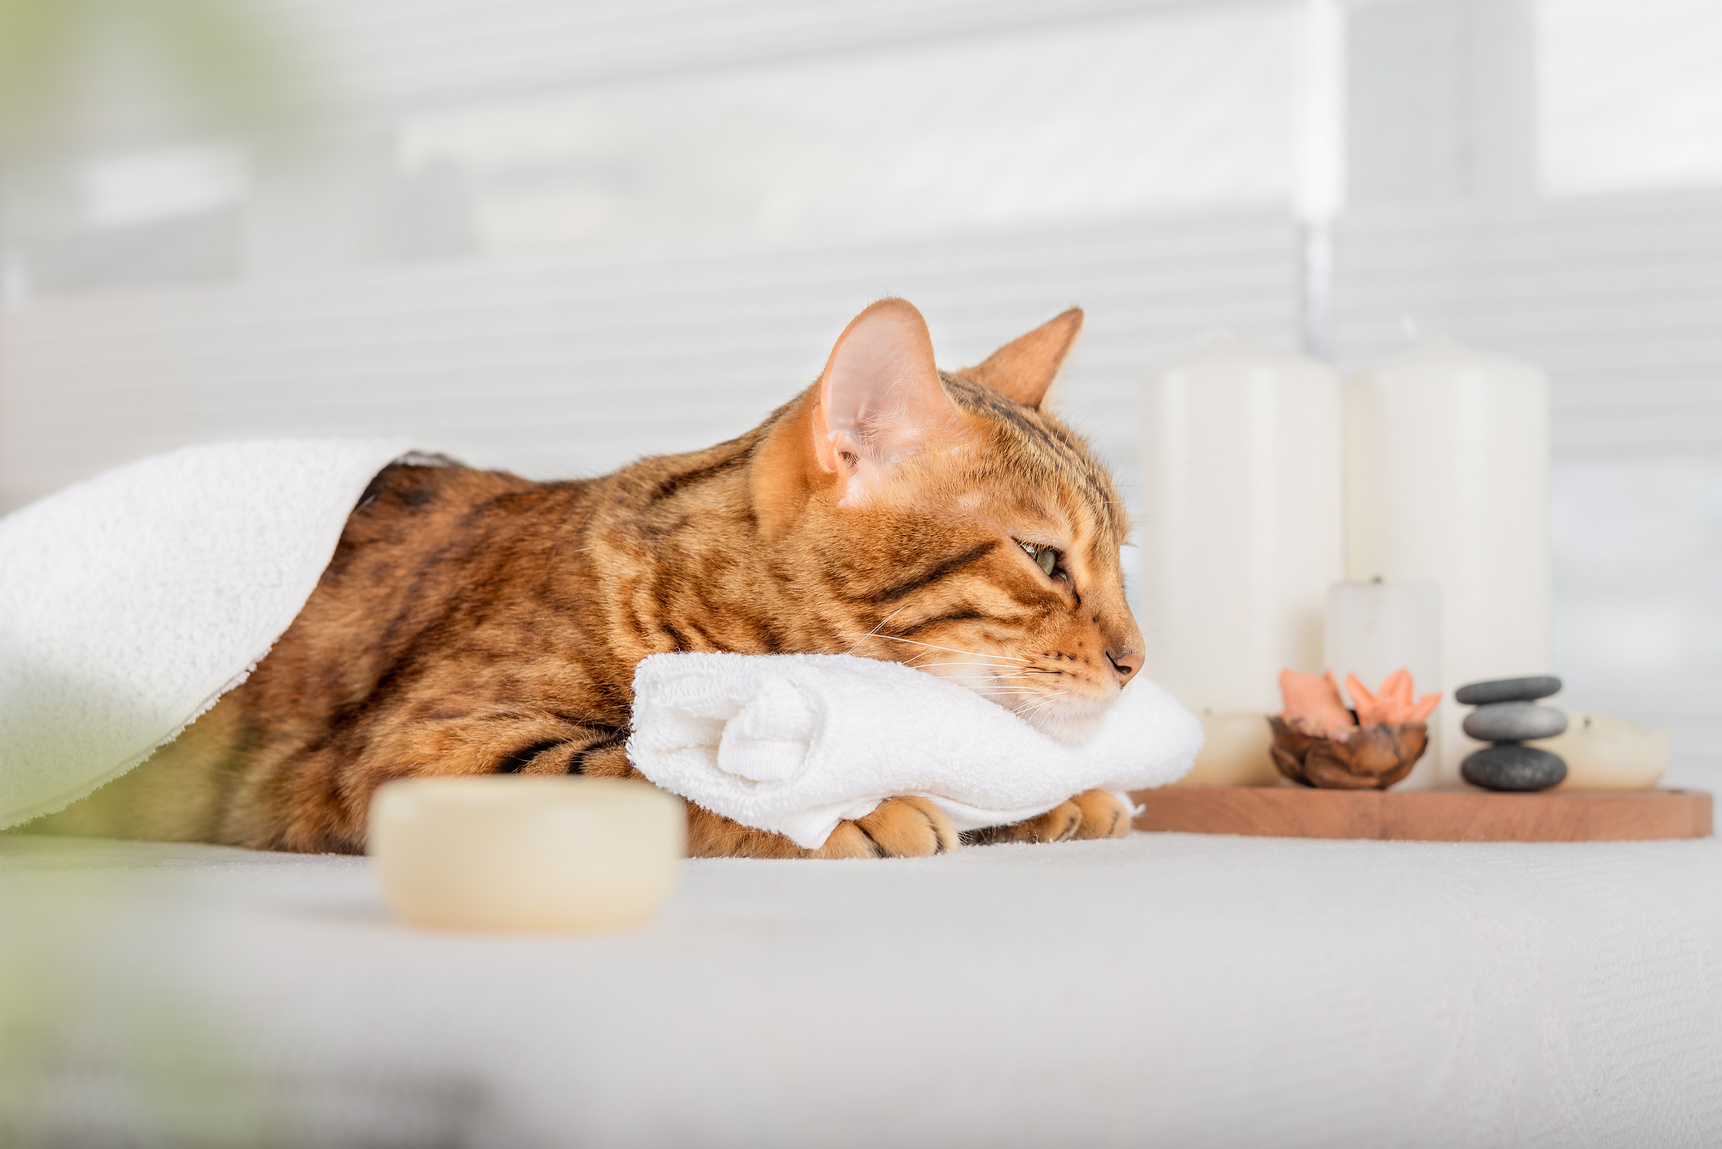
(98, 1045)
(229, 63)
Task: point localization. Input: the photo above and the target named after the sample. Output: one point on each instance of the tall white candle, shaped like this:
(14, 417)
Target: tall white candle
(1241, 522)
(1448, 462)
(1375, 628)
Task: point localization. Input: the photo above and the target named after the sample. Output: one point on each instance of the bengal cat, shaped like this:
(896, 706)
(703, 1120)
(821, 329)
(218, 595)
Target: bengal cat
(474, 622)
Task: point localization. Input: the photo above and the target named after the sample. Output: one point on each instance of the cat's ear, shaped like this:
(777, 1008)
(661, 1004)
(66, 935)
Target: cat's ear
(879, 398)
(1024, 368)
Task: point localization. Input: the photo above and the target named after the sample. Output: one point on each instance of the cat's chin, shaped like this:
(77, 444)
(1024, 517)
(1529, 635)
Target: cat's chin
(1072, 726)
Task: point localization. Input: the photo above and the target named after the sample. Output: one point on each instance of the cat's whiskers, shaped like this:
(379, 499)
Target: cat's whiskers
(1003, 678)
(999, 670)
(996, 671)
(874, 633)
(984, 686)
(1046, 701)
(1003, 659)
(1001, 686)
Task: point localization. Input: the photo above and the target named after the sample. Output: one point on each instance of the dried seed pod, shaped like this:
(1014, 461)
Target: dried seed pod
(1363, 758)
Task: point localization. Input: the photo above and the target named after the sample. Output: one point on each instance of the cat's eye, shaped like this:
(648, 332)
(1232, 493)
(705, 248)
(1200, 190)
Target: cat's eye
(1046, 558)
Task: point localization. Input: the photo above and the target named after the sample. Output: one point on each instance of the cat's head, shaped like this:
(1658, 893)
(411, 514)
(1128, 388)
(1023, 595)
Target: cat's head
(948, 521)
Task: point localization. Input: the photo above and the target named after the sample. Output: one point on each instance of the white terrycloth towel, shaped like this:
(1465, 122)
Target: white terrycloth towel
(131, 602)
(796, 743)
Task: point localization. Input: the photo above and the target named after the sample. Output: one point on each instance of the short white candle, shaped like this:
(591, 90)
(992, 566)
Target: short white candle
(1375, 628)
(545, 854)
(1241, 523)
(1448, 453)
(1607, 753)
(1237, 751)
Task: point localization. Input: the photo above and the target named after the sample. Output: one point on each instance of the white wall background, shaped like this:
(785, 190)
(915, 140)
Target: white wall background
(551, 235)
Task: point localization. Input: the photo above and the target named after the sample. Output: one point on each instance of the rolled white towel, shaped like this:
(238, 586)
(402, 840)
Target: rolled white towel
(796, 743)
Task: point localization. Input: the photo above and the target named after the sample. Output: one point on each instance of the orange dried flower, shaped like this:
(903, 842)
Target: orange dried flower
(1313, 703)
(1393, 703)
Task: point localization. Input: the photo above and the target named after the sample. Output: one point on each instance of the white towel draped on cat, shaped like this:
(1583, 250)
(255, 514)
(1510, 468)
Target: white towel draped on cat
(795, 743)
(131, 602)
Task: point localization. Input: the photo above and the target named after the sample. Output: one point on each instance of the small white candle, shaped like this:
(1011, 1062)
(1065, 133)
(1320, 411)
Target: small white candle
(1607, 753)
(1241, 522)
(1375, 628)
(525, 854)
(1448, 452)
(1237, 752)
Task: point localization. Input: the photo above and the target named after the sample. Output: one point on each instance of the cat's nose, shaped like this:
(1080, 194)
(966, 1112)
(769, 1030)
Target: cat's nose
(1124, 664)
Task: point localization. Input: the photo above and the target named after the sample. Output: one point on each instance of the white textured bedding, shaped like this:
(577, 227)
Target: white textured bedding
(1167, 989)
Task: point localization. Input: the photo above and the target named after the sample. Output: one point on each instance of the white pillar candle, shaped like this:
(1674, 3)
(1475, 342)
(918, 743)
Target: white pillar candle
(1447, 452)
(1607, 753)
(1240, 523)
(1375, 628)
(525, 854)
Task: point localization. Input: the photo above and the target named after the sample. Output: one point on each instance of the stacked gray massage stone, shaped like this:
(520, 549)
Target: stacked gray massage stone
(1507, 715)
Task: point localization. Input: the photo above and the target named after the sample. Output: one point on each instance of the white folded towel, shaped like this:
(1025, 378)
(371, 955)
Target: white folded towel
(796, 743)
(130, 602)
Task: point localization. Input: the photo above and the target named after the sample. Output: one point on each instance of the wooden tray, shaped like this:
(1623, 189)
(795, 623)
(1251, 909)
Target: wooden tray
(1427, 815)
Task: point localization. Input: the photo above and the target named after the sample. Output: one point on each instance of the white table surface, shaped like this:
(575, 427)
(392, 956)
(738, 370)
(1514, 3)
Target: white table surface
(1169, 990)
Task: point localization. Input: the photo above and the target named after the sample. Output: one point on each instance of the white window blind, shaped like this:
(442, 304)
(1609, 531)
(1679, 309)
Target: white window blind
(560, 367)
(1617, 297)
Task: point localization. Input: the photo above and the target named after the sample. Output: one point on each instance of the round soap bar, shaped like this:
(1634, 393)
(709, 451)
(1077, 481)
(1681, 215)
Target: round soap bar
(509, 853)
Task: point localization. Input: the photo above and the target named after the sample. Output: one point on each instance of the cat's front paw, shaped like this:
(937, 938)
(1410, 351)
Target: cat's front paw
(897, 828)
(1103, 815)
(1091, 814)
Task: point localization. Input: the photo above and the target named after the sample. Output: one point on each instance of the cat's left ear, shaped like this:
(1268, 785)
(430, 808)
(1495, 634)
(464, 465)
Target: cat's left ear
(1024, 368)
(879, 398)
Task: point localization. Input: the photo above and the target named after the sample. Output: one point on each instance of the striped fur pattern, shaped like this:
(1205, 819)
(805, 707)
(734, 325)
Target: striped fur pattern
(474, 622)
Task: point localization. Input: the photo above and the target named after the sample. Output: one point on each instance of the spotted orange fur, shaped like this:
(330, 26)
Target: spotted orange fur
(474, 622)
